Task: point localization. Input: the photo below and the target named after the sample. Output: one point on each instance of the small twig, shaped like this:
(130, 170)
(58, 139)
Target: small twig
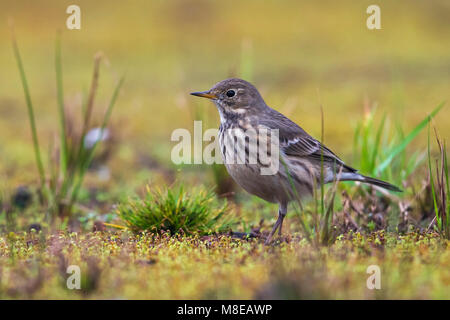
(431, 223)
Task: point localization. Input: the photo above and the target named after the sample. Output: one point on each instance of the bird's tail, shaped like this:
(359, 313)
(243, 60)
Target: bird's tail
(381, 183)
(353, 176)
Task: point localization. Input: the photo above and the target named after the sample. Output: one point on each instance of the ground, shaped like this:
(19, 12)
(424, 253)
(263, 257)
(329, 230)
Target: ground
(123, 266)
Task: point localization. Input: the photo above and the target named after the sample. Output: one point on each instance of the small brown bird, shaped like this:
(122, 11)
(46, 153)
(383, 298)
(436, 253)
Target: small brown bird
(304, 162)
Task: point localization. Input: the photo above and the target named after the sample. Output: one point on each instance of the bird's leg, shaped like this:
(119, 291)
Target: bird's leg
(281, 214)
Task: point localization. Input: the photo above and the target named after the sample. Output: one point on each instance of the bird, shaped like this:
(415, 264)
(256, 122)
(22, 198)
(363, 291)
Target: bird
(305, 163)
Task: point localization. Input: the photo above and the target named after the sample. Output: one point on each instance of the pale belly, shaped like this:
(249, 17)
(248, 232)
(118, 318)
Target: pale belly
(275, 188)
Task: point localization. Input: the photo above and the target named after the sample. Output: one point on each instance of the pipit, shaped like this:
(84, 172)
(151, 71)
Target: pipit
(305, 163)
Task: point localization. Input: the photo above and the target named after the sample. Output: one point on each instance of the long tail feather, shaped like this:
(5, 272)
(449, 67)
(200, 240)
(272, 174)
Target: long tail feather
(381, 183)
(353, 176)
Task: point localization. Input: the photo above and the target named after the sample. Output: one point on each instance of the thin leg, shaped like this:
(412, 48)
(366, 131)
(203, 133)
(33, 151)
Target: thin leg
(281, 214)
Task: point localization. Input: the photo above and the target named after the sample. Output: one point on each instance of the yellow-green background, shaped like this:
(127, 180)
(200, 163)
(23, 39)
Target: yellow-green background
(301, 53)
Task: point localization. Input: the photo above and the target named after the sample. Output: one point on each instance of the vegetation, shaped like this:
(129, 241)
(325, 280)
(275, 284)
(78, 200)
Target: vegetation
(72, 170)
(70, 159)
(175, 211)
(439, 183)
(122, 265)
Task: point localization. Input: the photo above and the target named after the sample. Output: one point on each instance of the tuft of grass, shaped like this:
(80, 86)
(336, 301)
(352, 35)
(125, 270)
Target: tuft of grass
(381, 154)
(197, 211)
(68, 167)
(440, 188)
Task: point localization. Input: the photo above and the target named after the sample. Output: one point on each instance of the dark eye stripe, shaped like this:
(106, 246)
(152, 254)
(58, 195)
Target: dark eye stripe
(230, 93)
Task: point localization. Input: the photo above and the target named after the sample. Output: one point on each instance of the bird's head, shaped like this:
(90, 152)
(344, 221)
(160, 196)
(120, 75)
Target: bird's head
(234, 96)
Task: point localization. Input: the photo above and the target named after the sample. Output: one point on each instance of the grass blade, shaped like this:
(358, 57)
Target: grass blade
(430, 168)
(399, 148)
(31, 117)
(60, 98)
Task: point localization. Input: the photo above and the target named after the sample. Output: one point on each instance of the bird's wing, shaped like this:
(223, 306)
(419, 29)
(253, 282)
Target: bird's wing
(296, 142)
(307, 146)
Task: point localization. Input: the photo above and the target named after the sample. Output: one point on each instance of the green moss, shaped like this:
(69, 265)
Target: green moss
(158, 266)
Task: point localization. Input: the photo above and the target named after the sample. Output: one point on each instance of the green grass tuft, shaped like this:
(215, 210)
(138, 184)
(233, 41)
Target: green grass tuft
(380, 154)
(61, 189)
(178, 211)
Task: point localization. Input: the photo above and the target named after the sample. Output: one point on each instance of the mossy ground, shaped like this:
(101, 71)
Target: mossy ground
(119, 265)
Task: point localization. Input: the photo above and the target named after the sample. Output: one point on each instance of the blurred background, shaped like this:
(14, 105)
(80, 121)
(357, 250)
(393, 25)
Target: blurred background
(299, 54)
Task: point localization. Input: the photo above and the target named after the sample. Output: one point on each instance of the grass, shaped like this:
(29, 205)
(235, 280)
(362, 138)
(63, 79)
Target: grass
(73, 157)
(440, 190)
(317, 223)
(379, 153)
(175, 210)
(37, 152)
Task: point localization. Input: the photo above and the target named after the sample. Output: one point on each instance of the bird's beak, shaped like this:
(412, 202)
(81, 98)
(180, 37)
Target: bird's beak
(205, 94)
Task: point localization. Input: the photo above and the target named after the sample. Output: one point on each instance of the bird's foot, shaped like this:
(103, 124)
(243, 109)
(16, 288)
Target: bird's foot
(275, 240)
(268, 240)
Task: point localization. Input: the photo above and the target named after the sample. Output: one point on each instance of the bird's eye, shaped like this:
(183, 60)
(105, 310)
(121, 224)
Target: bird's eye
(230, 93)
